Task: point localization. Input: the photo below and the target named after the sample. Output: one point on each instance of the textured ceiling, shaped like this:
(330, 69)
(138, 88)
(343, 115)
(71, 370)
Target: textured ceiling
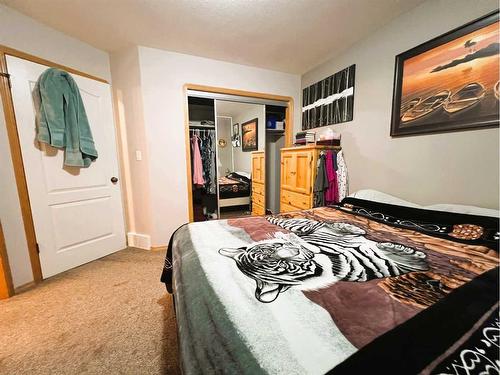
(285, 35)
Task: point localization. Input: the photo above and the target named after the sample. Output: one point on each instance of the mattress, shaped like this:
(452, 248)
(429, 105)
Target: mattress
(233, 186)
(336, 290)
(377, 196)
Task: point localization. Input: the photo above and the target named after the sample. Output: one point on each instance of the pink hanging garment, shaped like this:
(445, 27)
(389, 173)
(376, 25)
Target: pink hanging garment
(197, 164)
(332, 192)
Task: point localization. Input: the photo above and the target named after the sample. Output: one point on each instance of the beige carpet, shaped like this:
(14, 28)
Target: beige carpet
(110, 316)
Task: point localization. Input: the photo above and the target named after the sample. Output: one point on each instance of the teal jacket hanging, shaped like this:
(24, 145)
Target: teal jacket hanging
(63, 122)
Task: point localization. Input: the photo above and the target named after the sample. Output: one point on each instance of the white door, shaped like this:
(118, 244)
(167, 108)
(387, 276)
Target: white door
(77, 212)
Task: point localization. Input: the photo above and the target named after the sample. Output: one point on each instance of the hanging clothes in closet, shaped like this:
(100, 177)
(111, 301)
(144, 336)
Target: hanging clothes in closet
(197, 166)
(330, 185)
(203, 159)
(321, 182)
(332, 192)
(203, 168)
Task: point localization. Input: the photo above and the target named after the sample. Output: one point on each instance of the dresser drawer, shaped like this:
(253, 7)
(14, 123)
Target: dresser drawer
(257, 209)
(258, 199)
(287, 208)
(258, 188)
(301, 201)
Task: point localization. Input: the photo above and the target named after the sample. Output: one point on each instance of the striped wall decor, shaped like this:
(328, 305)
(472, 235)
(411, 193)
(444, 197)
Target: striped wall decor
(329, 101)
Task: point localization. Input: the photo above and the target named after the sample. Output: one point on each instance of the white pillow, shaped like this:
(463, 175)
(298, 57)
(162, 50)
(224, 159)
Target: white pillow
(377, 196)
(244, 174)
(461, 209)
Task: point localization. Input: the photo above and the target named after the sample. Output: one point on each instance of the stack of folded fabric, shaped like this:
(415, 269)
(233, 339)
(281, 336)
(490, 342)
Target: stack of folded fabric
(302, 138)
(329, 139)
(328, 142)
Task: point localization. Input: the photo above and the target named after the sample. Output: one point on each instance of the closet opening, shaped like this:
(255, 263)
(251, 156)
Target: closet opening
(233, 142)
(275, 141)
(202, 139)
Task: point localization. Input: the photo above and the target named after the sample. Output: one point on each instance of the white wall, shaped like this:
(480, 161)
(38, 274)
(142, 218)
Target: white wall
(163, 75)
(25, 34)
(459, 167)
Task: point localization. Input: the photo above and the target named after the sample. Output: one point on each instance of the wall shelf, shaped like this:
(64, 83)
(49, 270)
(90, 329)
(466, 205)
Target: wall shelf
(275, 131)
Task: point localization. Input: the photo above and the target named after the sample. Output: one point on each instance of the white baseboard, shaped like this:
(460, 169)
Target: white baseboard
(141, 241)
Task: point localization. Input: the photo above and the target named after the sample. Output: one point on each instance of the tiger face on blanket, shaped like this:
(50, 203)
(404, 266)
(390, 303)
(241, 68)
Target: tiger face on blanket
(317, 254)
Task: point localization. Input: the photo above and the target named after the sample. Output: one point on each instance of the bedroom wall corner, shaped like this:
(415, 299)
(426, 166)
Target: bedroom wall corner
(133, 145)
(163, 76)
(140, 241)
(458, 167)
(30, 36)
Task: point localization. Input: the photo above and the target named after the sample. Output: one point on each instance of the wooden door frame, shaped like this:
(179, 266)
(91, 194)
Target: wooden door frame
(221, 90)
(6, 286)
(15, 148)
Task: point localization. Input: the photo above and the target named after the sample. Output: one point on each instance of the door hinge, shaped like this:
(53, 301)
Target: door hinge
(6, 75)
(37, 248)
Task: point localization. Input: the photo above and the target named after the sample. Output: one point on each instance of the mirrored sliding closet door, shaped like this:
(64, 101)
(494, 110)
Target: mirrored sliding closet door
(234, 145)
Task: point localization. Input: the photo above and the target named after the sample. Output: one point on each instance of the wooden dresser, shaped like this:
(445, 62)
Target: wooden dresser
(258, 183)
(298, 172)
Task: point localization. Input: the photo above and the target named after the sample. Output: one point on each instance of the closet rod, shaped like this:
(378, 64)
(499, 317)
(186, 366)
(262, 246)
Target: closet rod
(197, 127)
(193, 129)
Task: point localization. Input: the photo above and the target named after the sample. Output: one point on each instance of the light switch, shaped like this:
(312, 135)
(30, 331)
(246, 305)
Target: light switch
(138, 155)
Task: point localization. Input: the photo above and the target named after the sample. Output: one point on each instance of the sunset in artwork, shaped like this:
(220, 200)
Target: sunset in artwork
(454, 81)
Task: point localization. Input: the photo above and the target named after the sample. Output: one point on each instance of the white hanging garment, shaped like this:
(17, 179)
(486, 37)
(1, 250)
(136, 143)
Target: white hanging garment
(342, 177)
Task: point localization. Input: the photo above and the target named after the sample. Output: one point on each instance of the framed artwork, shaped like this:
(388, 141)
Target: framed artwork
(235, 137)
(329, 101)
(249, 135)
(449, 83)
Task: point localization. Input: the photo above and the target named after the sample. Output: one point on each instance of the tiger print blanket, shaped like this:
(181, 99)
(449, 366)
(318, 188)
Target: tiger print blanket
(312, 291)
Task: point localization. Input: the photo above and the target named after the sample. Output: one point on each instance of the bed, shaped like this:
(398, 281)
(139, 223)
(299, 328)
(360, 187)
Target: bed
(362, 285)
(234, 189)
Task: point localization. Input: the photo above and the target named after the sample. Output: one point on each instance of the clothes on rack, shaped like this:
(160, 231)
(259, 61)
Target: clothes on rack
(205, 123)
(321, 182)
(205, 140)
(203, 168)
(332, 192)
(342, 176)
(208, 158)
(331, 183)
(197, 163)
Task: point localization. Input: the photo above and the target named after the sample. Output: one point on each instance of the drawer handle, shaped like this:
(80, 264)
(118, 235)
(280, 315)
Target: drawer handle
(292, 172)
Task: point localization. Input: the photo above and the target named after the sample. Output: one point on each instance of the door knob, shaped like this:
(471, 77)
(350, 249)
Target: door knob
(114, 180)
